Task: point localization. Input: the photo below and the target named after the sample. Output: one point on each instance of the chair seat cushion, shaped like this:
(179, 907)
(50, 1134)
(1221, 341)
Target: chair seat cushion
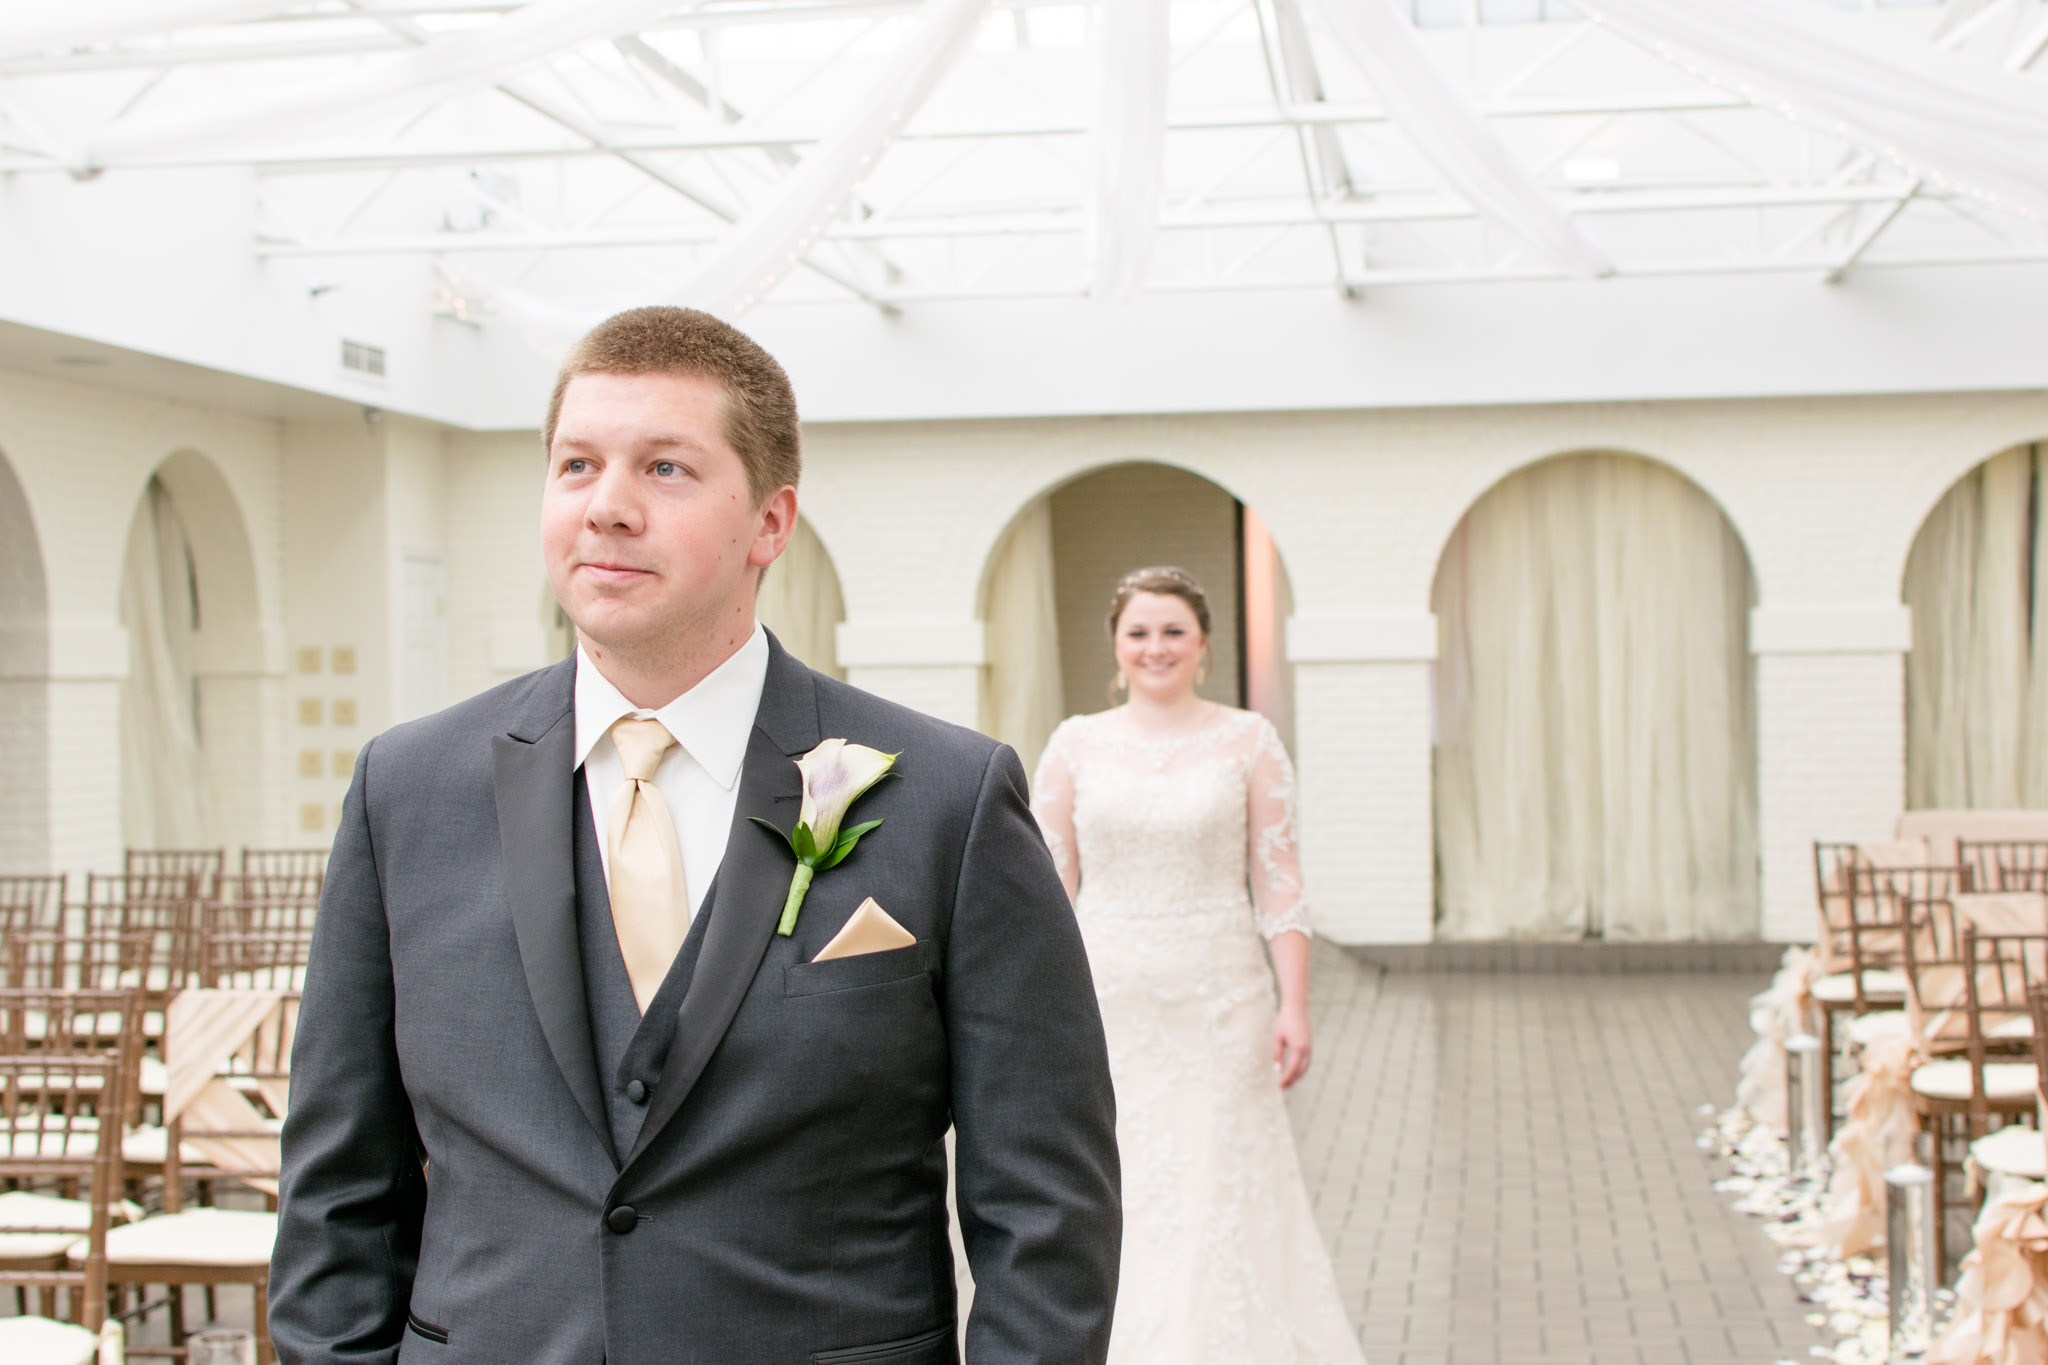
(41, 1341)
(1950, 1080)
(146, 1146)
(1866, 1029)
(2014, 1151)
(200, 1237)
(20, 1209)
(1878, 984)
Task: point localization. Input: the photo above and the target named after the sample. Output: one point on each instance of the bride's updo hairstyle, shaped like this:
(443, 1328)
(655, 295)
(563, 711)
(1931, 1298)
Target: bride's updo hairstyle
(1165, 581)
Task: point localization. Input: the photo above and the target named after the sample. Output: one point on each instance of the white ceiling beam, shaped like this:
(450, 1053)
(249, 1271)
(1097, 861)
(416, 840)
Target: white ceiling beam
(387, 157)
(1067, 221)
(1869, 234)
(596, 136)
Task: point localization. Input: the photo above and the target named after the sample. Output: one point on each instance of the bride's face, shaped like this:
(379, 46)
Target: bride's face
(1159, 645)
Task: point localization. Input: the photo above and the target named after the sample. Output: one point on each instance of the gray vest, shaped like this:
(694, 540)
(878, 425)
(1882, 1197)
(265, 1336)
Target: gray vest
(631, 1049)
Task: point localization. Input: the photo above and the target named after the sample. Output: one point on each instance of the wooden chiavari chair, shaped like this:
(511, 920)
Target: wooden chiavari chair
(2005, 864)
(1962, 994)
(164, 906)
(1869, 983)
(32, 905)
(66, 1086)
(239, 1141)
(52, 1135)
(203, 866)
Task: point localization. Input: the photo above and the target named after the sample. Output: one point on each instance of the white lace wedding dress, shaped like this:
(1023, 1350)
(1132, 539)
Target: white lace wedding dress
(1222, 1263)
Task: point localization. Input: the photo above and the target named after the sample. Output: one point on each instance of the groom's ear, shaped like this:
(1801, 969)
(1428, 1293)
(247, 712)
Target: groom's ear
(776, 525)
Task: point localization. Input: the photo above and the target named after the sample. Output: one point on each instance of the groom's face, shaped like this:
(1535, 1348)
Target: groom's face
(647, 523)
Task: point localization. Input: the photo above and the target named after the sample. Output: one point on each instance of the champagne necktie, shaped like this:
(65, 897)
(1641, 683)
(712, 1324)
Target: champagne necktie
(650, 909)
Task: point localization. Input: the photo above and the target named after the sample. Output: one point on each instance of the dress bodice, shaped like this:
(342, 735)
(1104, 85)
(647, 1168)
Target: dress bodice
(1196, 824)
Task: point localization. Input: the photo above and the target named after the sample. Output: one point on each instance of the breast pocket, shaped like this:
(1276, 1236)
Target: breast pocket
(858, 972)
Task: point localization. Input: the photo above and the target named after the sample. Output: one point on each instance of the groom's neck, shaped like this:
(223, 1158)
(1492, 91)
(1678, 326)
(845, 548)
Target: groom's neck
(655, 673)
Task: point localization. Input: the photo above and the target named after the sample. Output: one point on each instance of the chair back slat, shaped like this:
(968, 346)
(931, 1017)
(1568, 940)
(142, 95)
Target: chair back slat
(299, 864)
(203, 865)
(256, 945)
(2005, 864)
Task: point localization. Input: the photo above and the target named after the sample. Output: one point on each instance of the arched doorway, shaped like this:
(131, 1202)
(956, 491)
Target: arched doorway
(1977, 679)
(801, 601)
(192, 732)
(1049, 581)
(24, 686)
(1595, 713)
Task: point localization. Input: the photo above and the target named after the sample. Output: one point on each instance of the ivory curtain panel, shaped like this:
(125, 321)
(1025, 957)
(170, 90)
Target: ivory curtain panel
(1977, 679)
(1595, 760)
(164, 798)
(1022, 692)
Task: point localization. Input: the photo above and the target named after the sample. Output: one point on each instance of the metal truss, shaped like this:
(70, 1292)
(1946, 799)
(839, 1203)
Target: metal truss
(619, 165)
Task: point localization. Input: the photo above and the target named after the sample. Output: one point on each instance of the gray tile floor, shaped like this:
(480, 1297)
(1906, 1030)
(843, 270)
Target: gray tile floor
(1505, 1170)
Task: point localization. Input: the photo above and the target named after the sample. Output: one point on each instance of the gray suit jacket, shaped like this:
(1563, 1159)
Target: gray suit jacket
(450, 1188)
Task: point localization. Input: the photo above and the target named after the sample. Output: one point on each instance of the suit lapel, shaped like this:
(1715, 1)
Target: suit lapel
(752, 882)
(533, 778)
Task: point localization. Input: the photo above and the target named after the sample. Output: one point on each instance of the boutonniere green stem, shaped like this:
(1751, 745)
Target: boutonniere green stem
(835, 775)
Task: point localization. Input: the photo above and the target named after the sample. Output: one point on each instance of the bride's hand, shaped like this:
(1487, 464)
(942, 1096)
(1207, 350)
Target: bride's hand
(1291, 1045)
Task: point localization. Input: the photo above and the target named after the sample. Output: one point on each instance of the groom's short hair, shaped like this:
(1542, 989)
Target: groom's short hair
(760, 406)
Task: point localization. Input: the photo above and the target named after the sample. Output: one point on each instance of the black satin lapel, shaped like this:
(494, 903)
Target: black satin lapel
(745, 903)
(535, 787)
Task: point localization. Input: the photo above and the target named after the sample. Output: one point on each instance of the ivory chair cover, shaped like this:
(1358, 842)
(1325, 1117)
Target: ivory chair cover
(1879, 1135)
(2002, 1302)
(1775, 1015)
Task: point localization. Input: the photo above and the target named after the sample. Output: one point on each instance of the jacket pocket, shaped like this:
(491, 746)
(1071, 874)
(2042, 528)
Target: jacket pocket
(849, 973)
(936, 1347)
(437, 1335)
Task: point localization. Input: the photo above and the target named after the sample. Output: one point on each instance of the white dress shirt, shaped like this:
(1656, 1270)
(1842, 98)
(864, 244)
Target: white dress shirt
(700, 776)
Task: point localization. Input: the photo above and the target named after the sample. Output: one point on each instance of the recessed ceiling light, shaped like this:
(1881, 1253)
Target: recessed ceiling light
(1592, 170)
(81, 361)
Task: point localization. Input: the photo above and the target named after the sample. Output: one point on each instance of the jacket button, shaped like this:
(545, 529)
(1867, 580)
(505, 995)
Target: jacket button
(622, 1219)
(636, 1090)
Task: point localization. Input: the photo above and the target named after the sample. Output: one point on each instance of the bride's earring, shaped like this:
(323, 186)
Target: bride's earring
(1202, 669)
(1119, 684)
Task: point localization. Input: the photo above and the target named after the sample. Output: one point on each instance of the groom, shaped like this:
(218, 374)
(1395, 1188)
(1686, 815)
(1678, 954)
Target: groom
(562, 1093)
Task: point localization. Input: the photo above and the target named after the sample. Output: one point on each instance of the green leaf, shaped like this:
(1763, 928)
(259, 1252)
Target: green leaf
(806, 847)
(773, 830)
(847, 839)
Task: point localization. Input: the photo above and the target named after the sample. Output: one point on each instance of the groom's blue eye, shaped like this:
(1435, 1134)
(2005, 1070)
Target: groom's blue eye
(667, 467)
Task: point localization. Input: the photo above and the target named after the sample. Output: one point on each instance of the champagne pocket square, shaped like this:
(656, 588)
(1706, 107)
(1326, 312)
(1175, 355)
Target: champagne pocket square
(871, 930)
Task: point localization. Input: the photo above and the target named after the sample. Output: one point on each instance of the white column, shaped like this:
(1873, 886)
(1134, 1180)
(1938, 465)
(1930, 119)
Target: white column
(1362, 702)
(87, 664)
(930, 664)
(1831, 743)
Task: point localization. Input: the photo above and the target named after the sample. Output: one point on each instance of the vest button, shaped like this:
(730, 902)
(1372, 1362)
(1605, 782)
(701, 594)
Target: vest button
(636, 1090)
(622, 1219)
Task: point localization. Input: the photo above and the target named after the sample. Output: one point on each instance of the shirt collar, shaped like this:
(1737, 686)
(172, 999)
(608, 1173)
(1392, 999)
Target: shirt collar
(711, 721)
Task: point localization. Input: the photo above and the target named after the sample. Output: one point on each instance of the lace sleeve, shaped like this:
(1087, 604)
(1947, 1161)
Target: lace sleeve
(1052, 801)
(1274, 857)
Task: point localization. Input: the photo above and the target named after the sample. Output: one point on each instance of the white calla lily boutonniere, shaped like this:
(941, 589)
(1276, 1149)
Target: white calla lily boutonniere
(835, 775)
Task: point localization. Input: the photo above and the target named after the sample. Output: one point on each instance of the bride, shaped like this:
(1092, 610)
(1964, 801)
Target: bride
(1160, 813)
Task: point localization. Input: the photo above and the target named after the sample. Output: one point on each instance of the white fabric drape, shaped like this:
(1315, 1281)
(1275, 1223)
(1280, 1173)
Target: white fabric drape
(1595, 765)
(416, 79)
(31, 29)
(1129, 143)
(773, 236)
(1961, 123)
(1448, 128)
(164, 801)
(1976, 687)
(1022, 696)
(801, 602)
